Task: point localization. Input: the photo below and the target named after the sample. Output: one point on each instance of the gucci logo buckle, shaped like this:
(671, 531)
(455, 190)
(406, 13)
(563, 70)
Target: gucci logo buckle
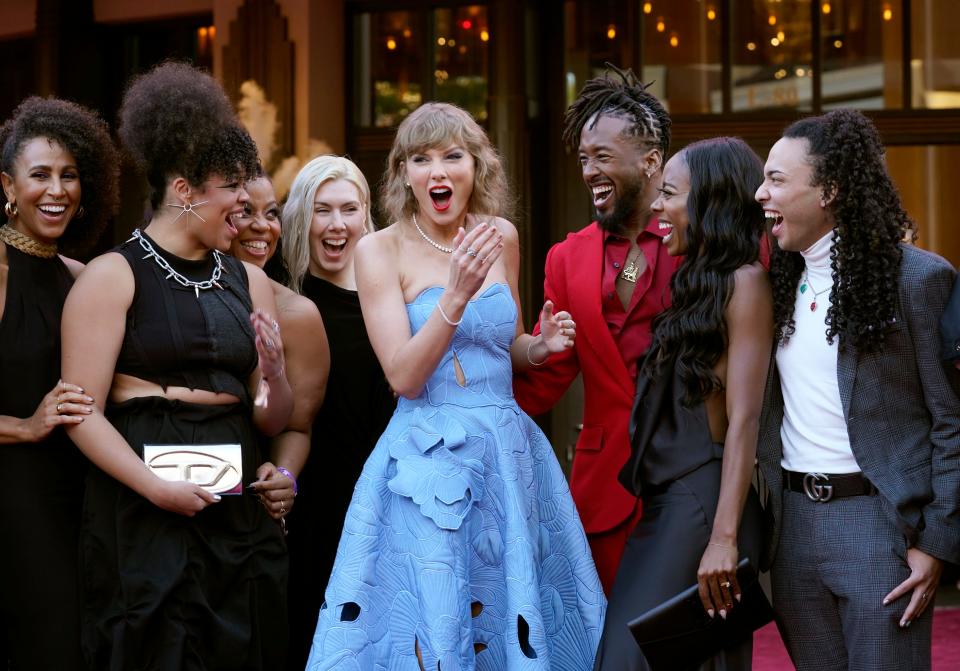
(816, 488)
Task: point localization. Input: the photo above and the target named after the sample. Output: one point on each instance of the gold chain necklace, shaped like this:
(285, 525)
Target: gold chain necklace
(631, 269)
(26, 244)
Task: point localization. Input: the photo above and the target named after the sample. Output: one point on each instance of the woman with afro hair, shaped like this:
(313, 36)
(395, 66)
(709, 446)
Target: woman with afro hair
(182, 567)
(59, 173)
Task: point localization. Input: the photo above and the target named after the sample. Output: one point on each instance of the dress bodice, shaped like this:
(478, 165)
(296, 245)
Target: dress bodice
(481, 346)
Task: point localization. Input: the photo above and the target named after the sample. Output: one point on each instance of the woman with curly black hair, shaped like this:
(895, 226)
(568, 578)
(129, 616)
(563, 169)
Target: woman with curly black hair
(182, 566)
(860, 437)
(699, 397)
(59, 173)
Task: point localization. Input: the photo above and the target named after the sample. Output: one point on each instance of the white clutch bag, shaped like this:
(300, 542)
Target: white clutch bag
(216, 468)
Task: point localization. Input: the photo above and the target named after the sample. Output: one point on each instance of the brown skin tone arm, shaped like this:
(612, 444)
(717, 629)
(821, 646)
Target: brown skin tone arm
(749, 320)
(94, 319)
(308, 362)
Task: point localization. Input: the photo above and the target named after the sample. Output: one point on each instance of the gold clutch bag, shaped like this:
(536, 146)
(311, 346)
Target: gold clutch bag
(216, 468)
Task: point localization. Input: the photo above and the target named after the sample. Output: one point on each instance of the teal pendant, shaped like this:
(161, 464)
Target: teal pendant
(803, 288)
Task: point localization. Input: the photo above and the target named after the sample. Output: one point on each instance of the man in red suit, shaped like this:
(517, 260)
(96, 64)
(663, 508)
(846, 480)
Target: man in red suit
(613, 276)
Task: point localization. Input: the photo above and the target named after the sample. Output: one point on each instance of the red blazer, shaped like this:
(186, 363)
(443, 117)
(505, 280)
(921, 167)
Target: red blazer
(572, 281)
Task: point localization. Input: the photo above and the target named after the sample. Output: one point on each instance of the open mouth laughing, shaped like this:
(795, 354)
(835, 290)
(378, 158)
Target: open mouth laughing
(441, 197)
(602, 194)
(774, 221)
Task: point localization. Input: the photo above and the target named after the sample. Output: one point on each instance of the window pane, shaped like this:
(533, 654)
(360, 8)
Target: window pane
(461, 58)
(681, 54)
(771, 54)
(862, 51)
(388, 56)
(935, 67)
(596, 33)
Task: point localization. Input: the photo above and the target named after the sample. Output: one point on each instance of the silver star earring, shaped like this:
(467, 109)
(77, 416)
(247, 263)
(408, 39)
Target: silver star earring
(189, 208)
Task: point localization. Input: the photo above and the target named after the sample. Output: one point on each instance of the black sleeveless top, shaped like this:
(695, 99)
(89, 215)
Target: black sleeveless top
(176, 336)
(668, 439)
(30, 333)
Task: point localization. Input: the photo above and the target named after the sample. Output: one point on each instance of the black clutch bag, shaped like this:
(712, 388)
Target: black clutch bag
(678, 634)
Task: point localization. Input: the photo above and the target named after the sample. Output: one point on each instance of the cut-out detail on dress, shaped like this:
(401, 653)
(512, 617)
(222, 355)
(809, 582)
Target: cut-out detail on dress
(476, 608)
(349, 611)
(523, 636)
(478, 648)
(458, 371)
(416, 649)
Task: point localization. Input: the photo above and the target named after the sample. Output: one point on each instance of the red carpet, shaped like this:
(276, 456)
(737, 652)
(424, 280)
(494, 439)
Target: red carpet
(770, 655)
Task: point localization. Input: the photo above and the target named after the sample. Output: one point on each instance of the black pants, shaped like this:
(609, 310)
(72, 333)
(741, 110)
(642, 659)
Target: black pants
(661, 559)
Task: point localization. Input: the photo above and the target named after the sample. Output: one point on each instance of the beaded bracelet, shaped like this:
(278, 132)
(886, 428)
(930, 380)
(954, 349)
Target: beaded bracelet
(281, 469)
(446, 318)
(532, 362)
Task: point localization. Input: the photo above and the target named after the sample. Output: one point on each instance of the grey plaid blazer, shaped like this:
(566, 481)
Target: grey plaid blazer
(902, 408)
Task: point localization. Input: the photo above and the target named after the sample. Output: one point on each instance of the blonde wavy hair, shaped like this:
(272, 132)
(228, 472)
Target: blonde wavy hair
(436, 126)
(298, 210)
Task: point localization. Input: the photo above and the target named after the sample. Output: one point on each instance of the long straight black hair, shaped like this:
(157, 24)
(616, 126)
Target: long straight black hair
(723, 234)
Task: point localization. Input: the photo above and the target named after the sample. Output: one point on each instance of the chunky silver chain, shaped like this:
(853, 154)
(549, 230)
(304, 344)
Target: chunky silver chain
(173, 274)
(445, 250)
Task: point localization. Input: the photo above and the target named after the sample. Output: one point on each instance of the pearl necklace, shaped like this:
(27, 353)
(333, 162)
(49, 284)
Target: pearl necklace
(442, 248)
(173, 274)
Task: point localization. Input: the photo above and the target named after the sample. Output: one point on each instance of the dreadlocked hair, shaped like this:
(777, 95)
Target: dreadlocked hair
(725, 223)
(847, 157)
(622, 96)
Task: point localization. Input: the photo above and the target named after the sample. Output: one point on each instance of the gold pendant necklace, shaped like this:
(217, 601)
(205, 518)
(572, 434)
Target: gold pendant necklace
(631, 270)
(26, 244)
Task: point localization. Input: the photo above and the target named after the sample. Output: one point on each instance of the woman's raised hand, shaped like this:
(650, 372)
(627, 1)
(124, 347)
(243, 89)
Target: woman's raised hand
(474, 254)
(64, 404)
(558, 330)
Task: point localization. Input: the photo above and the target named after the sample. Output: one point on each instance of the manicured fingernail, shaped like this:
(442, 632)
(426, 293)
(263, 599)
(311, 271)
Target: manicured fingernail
(723, 613)
(904, 623)
(886, 602)
(216, 497)
(737, 596)
(88, 410)
(710, 612)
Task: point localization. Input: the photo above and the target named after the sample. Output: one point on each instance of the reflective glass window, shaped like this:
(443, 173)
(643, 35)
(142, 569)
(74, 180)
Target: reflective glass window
(771, 55)
(935, 63)
(389, 55)
(461, 49)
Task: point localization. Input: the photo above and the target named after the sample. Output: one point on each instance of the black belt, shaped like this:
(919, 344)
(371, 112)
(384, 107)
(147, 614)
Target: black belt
(823, 487)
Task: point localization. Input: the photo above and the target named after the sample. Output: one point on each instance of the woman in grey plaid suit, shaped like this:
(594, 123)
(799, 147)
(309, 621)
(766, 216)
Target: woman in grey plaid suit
(860, 435)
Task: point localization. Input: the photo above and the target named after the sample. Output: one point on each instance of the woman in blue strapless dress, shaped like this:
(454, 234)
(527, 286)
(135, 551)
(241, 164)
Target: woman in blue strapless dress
(461, 548)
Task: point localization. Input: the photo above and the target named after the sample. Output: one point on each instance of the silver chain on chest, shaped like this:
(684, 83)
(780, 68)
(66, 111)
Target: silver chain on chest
(173, 274)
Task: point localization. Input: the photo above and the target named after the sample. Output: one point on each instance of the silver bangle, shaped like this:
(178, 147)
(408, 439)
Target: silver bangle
(532, 362)
(446, 318)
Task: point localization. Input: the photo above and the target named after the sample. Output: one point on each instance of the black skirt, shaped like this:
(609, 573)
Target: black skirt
(166, 591)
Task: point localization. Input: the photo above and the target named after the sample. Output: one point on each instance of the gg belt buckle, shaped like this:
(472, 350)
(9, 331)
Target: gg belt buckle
(815, 487)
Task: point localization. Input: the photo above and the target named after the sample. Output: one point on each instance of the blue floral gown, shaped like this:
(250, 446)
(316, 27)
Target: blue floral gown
(462, 541)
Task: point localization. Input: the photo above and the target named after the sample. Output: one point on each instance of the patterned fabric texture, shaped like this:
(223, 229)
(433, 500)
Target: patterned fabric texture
(462, 543)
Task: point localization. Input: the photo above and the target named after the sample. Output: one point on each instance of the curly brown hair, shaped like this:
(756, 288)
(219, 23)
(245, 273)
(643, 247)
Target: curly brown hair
(176, 120)
(847, 157)
(85, 135)
(435, 125)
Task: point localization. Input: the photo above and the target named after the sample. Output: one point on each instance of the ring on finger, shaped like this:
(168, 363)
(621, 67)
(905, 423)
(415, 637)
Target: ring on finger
(726, 584)
(283, 509)
(59, 408)
(472, 252)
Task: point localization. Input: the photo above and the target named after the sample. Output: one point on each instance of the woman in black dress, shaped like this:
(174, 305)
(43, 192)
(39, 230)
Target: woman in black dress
(698, 403)
(183, 568)
(305, 350)
(327, 211)
(59, 173)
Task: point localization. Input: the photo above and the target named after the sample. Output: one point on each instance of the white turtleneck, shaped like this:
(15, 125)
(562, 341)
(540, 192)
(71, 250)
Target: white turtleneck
(814, 431)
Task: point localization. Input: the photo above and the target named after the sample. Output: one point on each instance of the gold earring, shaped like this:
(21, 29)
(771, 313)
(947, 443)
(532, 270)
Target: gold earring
(10, 209)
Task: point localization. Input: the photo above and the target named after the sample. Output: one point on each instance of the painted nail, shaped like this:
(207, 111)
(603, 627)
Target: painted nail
(738, 596)
(886, 602)
(216, 497)
(723, 613)
(710, 612)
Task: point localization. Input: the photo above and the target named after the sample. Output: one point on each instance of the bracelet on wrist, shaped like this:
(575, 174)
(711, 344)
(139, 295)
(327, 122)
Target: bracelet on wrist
(446, 318)
(281, 469)
(529, 359)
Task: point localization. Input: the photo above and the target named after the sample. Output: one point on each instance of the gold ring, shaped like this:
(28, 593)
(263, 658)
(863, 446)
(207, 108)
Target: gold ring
(725, 583)
(283, 510)
(59, 407)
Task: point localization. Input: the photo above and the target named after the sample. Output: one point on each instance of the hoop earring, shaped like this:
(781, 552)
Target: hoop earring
(189, 208)
(10, 209)
(80, 212)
